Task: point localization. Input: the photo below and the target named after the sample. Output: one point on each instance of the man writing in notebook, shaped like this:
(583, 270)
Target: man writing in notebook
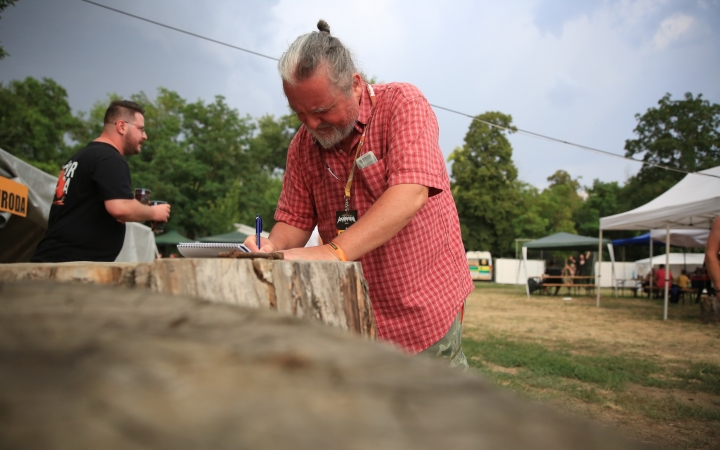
(366, 167)
(93, 197)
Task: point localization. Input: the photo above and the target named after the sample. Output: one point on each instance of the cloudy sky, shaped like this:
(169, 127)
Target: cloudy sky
(577, 70)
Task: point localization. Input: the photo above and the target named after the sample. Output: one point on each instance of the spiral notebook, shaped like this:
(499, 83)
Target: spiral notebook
(208, 249)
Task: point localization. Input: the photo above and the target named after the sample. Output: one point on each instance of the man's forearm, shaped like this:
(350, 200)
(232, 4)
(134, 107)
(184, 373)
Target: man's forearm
(391, 213)
(284, 236)
(134, 211)
(711, 253)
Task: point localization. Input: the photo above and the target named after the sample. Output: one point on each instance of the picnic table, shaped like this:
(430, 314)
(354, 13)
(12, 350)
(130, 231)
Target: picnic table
(659, 292)
(572, 282)
(633, 284)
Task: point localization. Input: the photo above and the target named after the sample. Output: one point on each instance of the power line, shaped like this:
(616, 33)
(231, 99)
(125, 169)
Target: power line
(180, 31)
(528, 133)
(584, 147)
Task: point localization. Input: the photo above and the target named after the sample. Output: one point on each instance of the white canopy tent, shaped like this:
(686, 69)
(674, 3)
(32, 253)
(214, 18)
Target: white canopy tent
(676, 262)
(692, 204)
(682, 238)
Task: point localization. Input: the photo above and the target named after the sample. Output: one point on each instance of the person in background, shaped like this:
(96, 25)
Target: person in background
(552, 270)
(568, 271)
(660, 277)
(649, 282)
(683, 281)
(93, 197)
(582, 265)
(712, 250)
(366, 167)
(699, 281)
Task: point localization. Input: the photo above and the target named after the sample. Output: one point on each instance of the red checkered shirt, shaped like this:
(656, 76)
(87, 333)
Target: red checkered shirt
(419, 279)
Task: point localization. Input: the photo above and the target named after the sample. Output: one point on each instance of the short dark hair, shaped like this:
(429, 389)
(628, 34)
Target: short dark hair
(122, 110)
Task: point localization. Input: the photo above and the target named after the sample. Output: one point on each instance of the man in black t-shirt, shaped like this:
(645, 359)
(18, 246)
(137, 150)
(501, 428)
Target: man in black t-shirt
(93, 198)
(552, 269)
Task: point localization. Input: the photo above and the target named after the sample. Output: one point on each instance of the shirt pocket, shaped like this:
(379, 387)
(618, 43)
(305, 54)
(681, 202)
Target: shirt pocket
(327, 196)
(374, 180)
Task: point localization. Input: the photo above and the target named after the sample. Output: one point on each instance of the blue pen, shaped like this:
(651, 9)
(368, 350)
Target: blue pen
(258, 229)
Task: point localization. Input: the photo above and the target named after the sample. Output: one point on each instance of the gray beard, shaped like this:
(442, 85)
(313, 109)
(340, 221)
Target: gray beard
(334, 138)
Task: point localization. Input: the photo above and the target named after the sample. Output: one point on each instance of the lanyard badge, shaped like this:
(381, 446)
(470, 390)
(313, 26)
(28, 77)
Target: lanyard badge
(344, 219)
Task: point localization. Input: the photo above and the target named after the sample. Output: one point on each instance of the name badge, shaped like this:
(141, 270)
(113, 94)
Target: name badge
(368, 159)
(344, 219)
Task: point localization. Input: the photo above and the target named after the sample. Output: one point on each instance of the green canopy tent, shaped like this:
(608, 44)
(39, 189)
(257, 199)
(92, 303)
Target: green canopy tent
(171, 238)
(232, 237)
(566, 241)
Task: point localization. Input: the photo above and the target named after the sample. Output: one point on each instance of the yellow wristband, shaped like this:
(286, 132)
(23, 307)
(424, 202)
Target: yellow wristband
(338, 251)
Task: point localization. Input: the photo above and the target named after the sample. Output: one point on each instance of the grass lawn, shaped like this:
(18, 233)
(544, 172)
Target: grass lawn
(655, 381)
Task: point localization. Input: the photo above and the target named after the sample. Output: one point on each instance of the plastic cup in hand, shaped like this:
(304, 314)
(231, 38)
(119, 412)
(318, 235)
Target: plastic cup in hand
(157, 227)
(143, 195)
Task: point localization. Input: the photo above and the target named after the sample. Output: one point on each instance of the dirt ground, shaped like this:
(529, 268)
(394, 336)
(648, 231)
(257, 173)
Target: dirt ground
(620, 326)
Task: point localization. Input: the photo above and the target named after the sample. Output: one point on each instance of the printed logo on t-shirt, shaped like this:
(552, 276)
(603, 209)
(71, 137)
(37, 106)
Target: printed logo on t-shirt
(66, 175)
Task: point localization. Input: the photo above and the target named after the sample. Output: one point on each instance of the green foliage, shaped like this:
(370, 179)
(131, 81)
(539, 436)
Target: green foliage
(530, 221)
(550, 211)
(4, 4)
(603, 199)
(560, 200)
(683, 134)
(270, 146)
(485, 185)
(35, 119)
(594, 376)
(606, 371)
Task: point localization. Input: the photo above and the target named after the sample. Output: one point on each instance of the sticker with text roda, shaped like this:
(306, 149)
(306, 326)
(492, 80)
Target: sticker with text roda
(343, 220)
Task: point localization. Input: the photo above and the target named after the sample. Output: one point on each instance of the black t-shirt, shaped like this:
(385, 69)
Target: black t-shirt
(553, 271)
(80, 228)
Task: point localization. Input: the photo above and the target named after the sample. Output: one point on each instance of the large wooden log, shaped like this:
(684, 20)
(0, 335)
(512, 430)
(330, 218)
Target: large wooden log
(331, 292)
(86, 366)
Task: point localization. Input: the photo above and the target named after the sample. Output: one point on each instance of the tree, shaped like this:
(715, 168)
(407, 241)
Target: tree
(559, 202)
(4, 4)
(269, 147)
(35, 120)
(485, 185)
(682, 134)
(603, 199)
(530, 221)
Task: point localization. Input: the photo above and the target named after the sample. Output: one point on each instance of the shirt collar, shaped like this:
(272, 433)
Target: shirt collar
(365, 105)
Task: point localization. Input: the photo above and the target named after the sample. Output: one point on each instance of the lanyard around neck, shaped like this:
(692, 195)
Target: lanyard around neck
(348, 185)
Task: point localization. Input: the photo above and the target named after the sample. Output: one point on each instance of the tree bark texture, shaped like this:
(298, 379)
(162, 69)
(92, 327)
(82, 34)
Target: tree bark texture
(100, 367)
(332, 292)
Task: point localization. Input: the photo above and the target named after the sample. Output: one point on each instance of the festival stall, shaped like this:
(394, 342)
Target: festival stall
(693, 204)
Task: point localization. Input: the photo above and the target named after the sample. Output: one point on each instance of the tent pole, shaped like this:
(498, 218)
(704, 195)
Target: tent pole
(597, 272)
(652, 277)
(667, 268)
(613, 280)
(527, 288)
(519, 261)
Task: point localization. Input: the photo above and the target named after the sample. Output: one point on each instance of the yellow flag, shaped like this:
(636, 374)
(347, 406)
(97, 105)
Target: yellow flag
(13, 197)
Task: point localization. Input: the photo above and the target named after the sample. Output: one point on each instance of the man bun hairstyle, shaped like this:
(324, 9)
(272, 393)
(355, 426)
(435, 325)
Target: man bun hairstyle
(323, 26)
(318, 49)
(122, 110)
